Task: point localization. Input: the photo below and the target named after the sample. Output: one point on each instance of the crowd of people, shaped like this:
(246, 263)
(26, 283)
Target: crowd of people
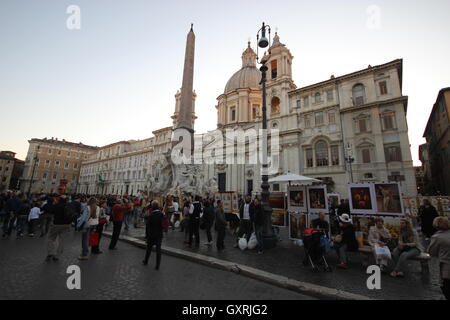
(54, 215)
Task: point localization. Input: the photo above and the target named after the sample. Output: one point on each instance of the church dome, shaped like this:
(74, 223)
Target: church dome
(249, 76)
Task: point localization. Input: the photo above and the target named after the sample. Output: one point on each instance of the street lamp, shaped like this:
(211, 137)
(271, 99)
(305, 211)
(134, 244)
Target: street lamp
(35, 159)
(349, 159)
(269, 238)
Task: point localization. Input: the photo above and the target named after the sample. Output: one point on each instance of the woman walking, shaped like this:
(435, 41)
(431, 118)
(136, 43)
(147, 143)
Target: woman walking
(88, 223)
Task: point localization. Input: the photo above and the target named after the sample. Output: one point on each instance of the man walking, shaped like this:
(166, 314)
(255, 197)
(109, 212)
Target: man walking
(154, 234)
(117, 216)
(221, 224)
(194, 221)
(61, 224)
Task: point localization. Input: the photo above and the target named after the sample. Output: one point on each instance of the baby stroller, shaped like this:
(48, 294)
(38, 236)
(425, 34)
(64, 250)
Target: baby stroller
(315, 244)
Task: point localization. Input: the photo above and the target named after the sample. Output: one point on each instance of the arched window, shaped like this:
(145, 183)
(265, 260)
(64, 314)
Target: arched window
(275, 105)
(359, 94)
(321, 149)
(317, 97)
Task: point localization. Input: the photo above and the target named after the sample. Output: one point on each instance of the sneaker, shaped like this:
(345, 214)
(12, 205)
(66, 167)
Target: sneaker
(342, 266)
(83, 257)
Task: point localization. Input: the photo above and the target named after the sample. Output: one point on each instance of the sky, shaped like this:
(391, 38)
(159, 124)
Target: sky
(115, 77)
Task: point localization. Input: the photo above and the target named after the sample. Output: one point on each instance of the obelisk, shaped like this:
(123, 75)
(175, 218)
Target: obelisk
(186, 100)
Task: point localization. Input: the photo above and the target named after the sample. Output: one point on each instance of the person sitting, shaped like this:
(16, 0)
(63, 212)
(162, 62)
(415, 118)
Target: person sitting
(345, 241)
(409, 246)
(321, 224)
(378, 237)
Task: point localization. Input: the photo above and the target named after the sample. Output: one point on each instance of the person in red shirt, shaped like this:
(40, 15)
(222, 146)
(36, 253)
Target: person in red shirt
(118, 214)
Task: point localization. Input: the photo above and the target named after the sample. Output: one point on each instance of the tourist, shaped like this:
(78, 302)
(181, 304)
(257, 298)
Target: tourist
(220, 225)
(22, 215)
(208, 220)
(46, 216)
(345, 241)
(155, 234)
(427, 214)
(102, 220)
(195, 211)
(185, 224)
(409, 246)
(117, 217)
(321, 224)
(440, 248)
(378, 238)
(258, 220)
(61, 225)
(33, 217)
(169, 211)
(245, 213)
(90, 216)
(11, 208)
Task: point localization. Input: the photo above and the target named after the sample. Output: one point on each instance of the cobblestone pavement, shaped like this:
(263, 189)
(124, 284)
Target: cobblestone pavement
(286, 260)
(24, 274)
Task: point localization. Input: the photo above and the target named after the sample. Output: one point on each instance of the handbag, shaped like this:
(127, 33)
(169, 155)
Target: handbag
(382, 252)
(94, 239)
(102, 221)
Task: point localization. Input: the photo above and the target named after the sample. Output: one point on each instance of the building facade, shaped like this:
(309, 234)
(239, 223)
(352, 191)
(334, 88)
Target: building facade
(346, 129)
(437, 135)
(10, 170)
(53, 165)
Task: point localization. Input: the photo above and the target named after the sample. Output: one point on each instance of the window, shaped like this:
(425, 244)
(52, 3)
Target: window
(55, 175)
(75, 165)
(368, 176)
(49, 151)
(308, 121)
(57, 163)
(309, 158)
(317, 97)
(319, 118)
(255, 111)
(275, 105)
(359, 94)
(332, 117)
(365, 155)
(222, 178)
(334, 155)
(233, 114)
(388, 120)
(383, 87)
(299, 103)
(47, 163)
(362, 125)
(273, 65)
(393, 153)
(59, 152)
(329, 95)
(306, 101)
(66, 165)
(321, 149)
(68, 154)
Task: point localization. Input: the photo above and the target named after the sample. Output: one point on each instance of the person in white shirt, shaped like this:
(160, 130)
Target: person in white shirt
(245, 214)
(33, 218)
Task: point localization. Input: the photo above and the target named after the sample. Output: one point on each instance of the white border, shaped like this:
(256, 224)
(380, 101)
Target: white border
(325, 197)
(372, 198)
(296, 208)
(378, 212)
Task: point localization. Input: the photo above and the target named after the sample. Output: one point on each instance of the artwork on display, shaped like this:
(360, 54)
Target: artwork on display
(362, 226)
(218, 196)
(296, 199)
(277, 203)
(362, 199)
(297, 225)
(412, 204)
(388, 198)
(334, 200)
(317, 199)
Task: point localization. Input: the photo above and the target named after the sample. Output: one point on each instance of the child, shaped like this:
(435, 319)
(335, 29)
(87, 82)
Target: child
(33, 218)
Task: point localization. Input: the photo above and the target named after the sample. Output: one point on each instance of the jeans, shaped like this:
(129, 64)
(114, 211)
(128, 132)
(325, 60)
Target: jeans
(128, 219)
(8, 224)
(400, 257)
(20, 224)
(150, 243)
(85, 240)
(117, 226)
(55, 243)
(341, 250)
(259, 237)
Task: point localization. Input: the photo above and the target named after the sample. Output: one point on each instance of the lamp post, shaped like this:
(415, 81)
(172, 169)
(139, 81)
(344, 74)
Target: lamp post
(35, 159)
(349, 159)
(269, 238)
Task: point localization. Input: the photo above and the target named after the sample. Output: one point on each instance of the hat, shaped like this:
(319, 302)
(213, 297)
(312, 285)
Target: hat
(345, 218)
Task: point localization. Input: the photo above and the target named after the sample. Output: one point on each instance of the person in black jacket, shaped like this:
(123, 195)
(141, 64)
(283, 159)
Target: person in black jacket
(208, 220)
(154, 233)
(427, 214)
(346, 241)
(194, 221)
(245, 213)
(258, 220)
(61, 224)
